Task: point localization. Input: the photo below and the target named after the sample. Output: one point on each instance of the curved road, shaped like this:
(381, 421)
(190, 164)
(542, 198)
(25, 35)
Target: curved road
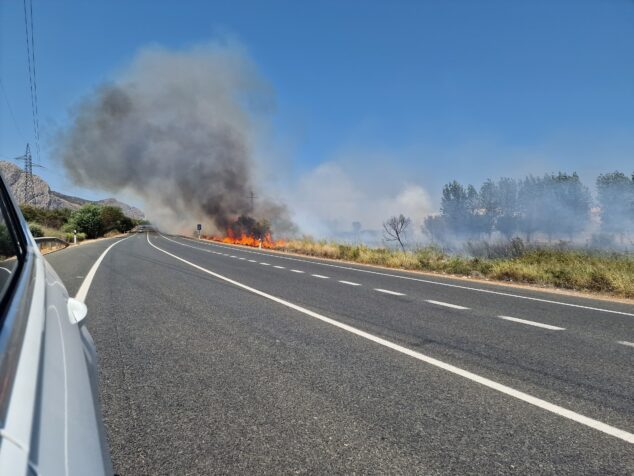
(218, 359)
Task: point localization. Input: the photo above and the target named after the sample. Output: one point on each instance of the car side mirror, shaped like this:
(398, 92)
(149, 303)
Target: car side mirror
(77, 310)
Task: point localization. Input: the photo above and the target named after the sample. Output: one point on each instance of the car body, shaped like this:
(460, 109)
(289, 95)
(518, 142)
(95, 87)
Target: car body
(50, 417)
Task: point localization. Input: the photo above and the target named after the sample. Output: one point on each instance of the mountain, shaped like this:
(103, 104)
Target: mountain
(44, 197)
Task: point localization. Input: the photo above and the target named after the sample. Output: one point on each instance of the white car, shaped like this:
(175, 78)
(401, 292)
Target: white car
(50, 417)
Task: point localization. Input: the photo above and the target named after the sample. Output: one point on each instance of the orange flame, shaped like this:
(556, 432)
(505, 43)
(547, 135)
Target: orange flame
(246, 240)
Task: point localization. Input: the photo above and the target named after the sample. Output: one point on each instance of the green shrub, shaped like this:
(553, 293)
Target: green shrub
(88, 220)
(80, 237)
(36, 230)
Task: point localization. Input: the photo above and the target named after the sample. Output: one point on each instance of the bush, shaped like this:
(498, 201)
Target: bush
(36, 230)
(88, 220)
(69, 237)
(557, 266)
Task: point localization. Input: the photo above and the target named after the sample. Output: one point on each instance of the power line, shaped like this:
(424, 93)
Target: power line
(37, 110)
(15, 122)
(30, 56)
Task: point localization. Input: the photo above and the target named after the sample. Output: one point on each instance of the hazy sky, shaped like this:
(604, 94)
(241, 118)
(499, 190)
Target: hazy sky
(415, 91)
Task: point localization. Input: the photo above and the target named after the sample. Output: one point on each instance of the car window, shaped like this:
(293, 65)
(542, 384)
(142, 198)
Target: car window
(9, 252)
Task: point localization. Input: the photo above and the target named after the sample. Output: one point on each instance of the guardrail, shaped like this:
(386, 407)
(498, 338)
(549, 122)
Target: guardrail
(50, 243)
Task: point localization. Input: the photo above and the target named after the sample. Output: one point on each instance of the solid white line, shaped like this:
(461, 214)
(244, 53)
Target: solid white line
(279, 267)
(624, 342)
(411, 278)
(297, 271)
(320, 276)
(446, 304)
(85, 285)
(538, 402)
(350, 283)
(5, 269)
(387, 291)
(265, 264)
(533, 323)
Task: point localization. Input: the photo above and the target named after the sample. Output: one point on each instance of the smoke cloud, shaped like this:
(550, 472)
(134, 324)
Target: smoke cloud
(176, 129)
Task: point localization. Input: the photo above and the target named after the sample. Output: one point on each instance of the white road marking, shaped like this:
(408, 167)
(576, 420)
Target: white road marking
(532, 323)
(624, 342)
(252, 261)
(411, 278)
(387, 291)
(320, 276)
(265, 264)
(350, 283)
(279, 267)
(232, 256)
(525, 397)
(242, 258)
(5, 269)
(446, 304)
(85, 285)
(297, 271)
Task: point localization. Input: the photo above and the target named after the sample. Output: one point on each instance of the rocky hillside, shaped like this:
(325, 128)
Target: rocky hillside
(47, 198)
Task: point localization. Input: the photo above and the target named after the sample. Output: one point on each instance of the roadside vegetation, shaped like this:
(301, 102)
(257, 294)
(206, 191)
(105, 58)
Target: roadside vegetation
(512, 261)
(513, 230)
(90, 221)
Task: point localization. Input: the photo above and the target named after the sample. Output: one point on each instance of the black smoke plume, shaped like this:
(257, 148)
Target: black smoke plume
(177, 130)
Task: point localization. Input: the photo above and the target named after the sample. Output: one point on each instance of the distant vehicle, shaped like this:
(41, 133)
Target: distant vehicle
(144, 228)
(50, 417)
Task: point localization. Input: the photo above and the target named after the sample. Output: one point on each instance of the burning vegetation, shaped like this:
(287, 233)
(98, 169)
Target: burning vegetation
(248, 231)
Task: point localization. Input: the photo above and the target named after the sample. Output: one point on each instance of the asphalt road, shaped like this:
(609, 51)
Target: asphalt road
(217, 359)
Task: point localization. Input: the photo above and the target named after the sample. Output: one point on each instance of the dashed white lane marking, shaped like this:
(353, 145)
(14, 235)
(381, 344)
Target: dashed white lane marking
(446, 304)
(486, 382)
(350, 283)
(624, 342)
(532, 323)
(252, 261)
(242, 258)
(265, 264)
(387, 291)
(411, 278)
(232, 256)
(279, 267)
(320, 276)
(297, 271)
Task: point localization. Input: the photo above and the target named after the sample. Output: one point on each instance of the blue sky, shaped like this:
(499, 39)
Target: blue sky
(417, 91)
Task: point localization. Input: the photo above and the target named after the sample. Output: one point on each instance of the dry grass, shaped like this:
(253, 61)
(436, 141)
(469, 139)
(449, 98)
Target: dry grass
(580, 270)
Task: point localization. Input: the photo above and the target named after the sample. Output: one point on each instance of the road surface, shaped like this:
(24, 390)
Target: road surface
(219, 359)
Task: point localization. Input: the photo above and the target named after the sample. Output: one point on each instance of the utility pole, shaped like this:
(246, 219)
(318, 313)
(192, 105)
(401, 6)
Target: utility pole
(28, 174)
(252, 197)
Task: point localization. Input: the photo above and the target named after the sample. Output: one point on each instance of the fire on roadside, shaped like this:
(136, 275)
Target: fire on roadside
(248, 232)
(248, 240)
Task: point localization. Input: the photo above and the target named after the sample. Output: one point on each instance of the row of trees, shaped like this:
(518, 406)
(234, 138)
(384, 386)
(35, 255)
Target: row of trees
(91, 220)
(552, 205)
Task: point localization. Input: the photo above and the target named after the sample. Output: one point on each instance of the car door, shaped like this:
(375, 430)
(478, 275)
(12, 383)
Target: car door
(49, 409)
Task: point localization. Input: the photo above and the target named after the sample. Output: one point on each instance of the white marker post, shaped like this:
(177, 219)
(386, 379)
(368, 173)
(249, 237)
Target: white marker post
(74, 237)
(199, 227)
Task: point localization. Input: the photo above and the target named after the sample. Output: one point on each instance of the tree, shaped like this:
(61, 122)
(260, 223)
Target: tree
(615, 194)
(507, 221)
(454, 207)
(489, 205)
(88, 220)
(572, 199)
(394, 229)
(436, 227)
(111, 218)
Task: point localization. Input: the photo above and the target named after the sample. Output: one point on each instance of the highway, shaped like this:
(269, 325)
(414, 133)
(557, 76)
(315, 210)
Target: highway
(220, 359)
